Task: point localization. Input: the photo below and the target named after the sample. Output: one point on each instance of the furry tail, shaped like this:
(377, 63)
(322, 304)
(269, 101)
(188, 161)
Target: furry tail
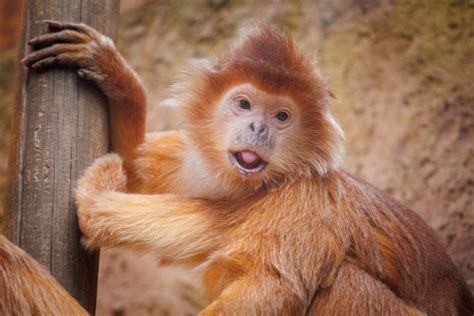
(26, 288)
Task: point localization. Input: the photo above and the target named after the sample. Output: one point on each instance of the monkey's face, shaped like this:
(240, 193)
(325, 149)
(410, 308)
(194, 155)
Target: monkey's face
(255, 126)
(259, 115)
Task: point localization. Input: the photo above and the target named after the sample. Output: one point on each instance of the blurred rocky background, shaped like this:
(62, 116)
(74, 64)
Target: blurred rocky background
(403, 76)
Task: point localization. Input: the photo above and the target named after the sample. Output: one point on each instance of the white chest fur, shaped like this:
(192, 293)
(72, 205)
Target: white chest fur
(195, 178)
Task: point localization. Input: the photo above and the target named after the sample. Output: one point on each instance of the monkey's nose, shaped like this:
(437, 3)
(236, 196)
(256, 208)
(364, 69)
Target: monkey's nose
(260, 128)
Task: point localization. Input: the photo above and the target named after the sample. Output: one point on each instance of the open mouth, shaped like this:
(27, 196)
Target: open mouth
(247, 162)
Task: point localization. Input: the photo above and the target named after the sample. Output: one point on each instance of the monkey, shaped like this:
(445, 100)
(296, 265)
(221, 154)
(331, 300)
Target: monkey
(251, 192)
(26, 288)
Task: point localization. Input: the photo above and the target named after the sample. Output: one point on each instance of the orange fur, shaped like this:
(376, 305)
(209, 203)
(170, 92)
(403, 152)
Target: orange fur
(26, 288)
(301, 237)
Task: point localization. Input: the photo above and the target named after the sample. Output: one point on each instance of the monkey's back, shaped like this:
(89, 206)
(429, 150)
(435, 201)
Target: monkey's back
(395, 246)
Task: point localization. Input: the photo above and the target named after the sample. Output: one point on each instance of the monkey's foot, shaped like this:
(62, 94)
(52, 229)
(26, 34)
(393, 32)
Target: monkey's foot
(105, 175)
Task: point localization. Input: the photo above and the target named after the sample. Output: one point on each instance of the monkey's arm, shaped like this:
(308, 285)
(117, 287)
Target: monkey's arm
(97, 59)
(174, 226)
(26, 288)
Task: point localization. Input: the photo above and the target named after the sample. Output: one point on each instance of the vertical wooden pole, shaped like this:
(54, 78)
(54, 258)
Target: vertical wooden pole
(59, 127)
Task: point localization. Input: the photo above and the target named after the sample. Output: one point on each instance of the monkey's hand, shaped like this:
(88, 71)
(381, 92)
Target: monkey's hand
(95, 57)
(79, 46)
(105, 175)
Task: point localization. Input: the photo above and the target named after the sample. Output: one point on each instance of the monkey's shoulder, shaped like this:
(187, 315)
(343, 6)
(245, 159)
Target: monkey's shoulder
(158, 159)
(168, 143)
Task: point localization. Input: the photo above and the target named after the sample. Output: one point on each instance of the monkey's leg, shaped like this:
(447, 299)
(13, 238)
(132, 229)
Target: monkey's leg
(355, 292)
(97, 59)
(26, 288)
(257, 293)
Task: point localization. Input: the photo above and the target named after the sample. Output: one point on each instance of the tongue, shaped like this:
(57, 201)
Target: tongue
(249, 157)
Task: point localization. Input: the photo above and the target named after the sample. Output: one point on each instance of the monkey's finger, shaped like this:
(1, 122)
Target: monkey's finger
(66, 36)
(79, 27)
(44, 63)
(50, 51)
(65, 59)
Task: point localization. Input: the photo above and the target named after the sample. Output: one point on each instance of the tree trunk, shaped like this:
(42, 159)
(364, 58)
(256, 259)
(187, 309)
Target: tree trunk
(59, 127)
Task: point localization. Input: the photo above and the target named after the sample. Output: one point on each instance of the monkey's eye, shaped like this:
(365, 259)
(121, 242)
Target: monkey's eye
(244, 104)
(282, 116)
